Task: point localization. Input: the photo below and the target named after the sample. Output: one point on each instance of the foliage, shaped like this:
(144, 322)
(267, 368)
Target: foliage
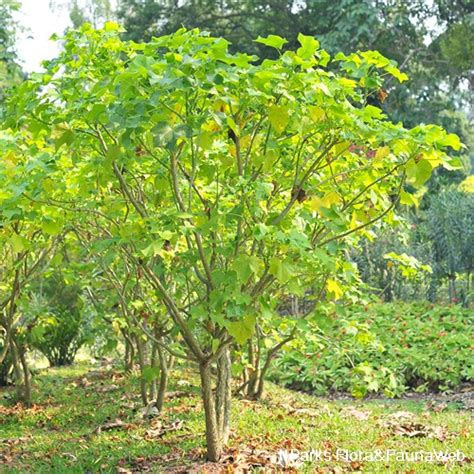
(223, 183)
(25, 251)
(386, 267)
(58, 318)
(10, 71)
(383, 347)
(467, 185)
(433, 42)
(440, 234)
(449, 229)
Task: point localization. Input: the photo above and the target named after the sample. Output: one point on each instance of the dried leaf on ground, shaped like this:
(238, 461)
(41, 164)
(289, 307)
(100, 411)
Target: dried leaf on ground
(405, 424)
(176, 394)
(116, 424)
(361, 415)
(107, 388)
(158, 429)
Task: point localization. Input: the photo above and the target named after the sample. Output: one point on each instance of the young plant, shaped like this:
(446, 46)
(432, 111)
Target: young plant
(228, 182)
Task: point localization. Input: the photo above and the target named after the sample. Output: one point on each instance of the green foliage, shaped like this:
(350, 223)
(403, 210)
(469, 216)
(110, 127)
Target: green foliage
(10, 72)
(432, 41)
(216, 182)
(59, 326)
(448, 227)
(383, 347)
(392, 264)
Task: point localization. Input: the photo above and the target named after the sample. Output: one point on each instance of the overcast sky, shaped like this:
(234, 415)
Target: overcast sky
(39, 22)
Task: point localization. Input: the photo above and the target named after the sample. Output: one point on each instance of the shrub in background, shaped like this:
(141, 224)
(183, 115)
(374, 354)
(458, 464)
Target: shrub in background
(60, 328)
(388, 348)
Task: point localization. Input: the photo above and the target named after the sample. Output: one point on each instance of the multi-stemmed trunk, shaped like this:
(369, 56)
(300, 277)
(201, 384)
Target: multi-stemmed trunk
(153, 393)
(21, 371)
(216, 404)
(254, 377)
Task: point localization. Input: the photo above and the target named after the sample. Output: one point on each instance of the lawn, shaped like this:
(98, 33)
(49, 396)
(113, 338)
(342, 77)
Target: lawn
(89, 419)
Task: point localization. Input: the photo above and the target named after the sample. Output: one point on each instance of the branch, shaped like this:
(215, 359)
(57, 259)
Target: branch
(372, 221)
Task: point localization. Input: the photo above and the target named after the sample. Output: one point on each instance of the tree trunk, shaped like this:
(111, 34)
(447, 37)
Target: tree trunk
(154, 364)
(255, 387)
(216, 408)
(160, 398)
(224, 394)
(26, 377)
(142, 363)
(16, 368)
(129, 352)
(433, 289)
(254, 361)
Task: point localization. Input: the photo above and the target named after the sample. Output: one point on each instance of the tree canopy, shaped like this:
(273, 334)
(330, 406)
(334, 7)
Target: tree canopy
(216, 181)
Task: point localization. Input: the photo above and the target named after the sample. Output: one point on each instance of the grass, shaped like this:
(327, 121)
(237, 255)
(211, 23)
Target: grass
(61, 432)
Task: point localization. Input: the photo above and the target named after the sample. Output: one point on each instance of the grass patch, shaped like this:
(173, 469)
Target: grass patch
(88, 419)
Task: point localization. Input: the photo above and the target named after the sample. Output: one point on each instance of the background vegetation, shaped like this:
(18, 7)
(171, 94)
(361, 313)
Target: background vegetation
(195, 214)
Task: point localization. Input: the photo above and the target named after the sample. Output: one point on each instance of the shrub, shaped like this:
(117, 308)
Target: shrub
(384, 347)
(59, 329)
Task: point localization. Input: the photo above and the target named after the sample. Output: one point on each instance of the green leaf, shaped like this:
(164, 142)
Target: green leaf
(150, 373)
(247, 265)
(112, 26)
(66, 138)
(423, 172)
(113, 154)
(279, 117)
(164, 134)
(280, 269)
(396, 73)
(408, 199)
(382, 152)
(273, 41)
(51, 227)
(317, 114)
(309, 45)
(19, 243)
(242, 330)
(453, 164)
(215, 345)
(452, 141)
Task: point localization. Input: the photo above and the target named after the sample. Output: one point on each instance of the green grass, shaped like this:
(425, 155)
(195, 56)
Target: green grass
(59, 433)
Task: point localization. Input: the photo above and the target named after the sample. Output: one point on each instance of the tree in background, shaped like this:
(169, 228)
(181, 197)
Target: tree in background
(95, 12)
(449, 228)
(57, 310)
(10, 71)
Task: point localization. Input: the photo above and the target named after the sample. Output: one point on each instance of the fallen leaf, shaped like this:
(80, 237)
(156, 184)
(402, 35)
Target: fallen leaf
(107, 388)
(158, 430)
(361, 415)
(117, 424)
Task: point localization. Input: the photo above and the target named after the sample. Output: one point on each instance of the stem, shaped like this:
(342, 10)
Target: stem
(26, 378)
(223, 394)
(141, 362)
(163, 379)
(213, 438)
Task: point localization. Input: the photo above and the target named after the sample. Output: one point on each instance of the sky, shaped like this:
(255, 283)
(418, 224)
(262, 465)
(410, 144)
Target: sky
(39, 21)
